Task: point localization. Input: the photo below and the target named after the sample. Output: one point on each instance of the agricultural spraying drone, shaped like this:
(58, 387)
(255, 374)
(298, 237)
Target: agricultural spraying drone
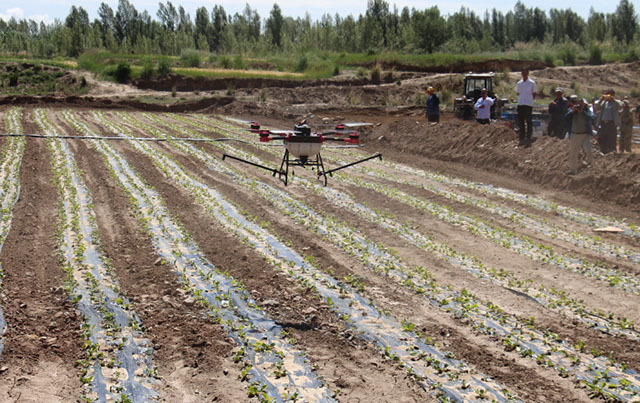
(302, 147)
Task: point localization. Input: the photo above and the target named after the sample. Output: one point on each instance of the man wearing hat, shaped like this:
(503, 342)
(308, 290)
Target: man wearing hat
(607, 121)
(557, 109)
(433, 105)
(578, 121)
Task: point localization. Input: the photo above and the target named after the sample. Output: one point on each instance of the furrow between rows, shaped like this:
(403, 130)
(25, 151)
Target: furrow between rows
(11, 159)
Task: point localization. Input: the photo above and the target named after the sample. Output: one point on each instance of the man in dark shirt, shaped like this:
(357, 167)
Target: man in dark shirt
(433, 105)
(557, 109)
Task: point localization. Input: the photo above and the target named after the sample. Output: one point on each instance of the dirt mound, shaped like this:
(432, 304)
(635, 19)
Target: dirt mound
(182, 83)
(621, 77)
(91, 102)
(484, 66)
(37, 79)
(613, 177)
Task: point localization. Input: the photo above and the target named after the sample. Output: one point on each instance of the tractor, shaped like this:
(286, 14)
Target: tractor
(473, 85)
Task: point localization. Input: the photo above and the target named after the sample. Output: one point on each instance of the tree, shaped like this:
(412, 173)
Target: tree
(77, 23)
(596, 26)
(203, 30)
(125, 21)
(430, 29)
(625, 23)
(168, 16)
(274, 25)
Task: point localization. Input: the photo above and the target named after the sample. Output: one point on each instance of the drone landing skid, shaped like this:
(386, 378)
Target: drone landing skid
(283, 172)
(302, 162)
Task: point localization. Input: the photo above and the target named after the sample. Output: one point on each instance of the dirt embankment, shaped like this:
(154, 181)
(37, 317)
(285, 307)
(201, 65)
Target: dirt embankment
(484, 66)
(182, 83)
(103, 103)
(612, 177)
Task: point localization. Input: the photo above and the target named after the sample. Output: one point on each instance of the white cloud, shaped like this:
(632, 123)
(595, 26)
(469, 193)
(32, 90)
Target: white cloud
(12, 12)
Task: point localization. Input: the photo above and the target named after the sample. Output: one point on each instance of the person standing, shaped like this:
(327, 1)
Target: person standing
(483, 106)
(607, 121)
(527, 91)
(626, 127)
(433, 105)
(557, 109)
(578, 121)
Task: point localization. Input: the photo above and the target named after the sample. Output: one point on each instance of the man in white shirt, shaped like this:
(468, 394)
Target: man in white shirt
(527, 91)
(483, 106)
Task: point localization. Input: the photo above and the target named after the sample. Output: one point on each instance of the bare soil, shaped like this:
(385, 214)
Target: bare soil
(194, 356)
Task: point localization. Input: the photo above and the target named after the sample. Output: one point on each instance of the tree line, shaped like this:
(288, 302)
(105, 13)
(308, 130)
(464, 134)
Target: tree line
(380, 28)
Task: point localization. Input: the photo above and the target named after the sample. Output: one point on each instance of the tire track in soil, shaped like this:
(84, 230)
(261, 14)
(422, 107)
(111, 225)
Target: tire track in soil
(191, 353)
(452, 338)
(43, 339)
(338, 356)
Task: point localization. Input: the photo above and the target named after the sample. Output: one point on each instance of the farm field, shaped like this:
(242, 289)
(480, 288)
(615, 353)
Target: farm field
(154, 271)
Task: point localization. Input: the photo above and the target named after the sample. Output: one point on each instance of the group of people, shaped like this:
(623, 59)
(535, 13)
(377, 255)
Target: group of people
(604, 117)
(572, 118)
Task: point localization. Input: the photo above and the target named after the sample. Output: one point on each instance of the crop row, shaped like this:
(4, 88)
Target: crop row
(544, 347)
(118, 365)
(574, 214)
(448, 376)
(276, 371)
(10, 161)
(549, 297)
(588, 242)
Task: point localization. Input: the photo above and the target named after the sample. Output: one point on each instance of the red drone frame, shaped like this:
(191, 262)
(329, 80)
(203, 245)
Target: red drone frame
(305, 147)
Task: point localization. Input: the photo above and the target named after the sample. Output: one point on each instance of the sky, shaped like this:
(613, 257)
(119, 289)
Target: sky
(48, 11)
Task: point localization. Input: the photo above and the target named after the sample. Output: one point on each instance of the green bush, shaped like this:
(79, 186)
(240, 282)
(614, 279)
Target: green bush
(336, 70)
(164, 66)
(122, 73)
(83, 82)
(190, 58)
(548, 59)
(302, 64)
(376, 74)
(13, 80)
(225, 62)
(147, 69)
(595, 54)
(632, 56)
(239, 63)
(568, 56)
